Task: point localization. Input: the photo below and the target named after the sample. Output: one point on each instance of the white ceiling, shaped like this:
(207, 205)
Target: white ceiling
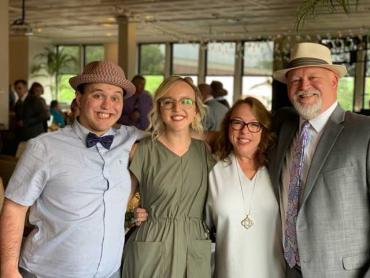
(89, 21)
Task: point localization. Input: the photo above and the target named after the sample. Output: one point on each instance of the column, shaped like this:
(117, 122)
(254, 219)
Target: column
(360, 73)
(238, 74)
(127, 57)
(202, 63)
(4, 62)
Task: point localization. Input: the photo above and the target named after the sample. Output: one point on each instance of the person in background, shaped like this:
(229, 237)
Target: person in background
(137, 108)
(74, 112)
(215, 112)
(37, 90)
(189, 79)
(242, 205)
(57, 114)
(171, 169)
(321, 168)
(30, 113)
(76, 183)
(219, 93)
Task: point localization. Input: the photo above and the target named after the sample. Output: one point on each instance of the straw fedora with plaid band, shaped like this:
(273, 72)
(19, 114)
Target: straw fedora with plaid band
(103, 72)
(307, 54)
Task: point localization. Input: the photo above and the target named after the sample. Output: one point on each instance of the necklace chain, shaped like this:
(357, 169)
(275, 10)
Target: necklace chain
(248, 221)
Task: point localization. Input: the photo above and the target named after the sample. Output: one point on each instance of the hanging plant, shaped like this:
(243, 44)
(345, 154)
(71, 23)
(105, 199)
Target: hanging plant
(310, 7)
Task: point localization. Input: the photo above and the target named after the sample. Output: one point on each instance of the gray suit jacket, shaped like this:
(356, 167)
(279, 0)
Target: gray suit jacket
(333, 223)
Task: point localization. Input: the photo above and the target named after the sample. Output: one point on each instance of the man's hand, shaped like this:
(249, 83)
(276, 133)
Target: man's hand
(140, 215)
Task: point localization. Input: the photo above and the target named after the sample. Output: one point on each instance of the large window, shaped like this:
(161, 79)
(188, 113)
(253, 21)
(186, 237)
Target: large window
(185, 60)
(152, 60)
(366, 104)
(89, 53)
(220, 66)
(94, 53)
(65, 92)
(341, 55)
(257, 71)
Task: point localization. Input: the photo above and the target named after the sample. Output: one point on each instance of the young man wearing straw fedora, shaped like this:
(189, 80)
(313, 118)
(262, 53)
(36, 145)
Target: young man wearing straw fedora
(76, 183)
(321, 167)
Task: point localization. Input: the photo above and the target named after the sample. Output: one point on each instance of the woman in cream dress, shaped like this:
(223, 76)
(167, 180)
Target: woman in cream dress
(242, 205)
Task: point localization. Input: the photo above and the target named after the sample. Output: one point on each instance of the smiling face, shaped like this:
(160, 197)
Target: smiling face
(312, 90)
(180, 116)
(100, 106)
(245, 143)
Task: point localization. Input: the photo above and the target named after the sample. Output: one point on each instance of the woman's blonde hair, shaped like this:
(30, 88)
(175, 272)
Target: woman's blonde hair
(157, 125)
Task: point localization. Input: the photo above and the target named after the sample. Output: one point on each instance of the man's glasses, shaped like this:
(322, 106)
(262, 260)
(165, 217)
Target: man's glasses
(169, 103)
(253, 127)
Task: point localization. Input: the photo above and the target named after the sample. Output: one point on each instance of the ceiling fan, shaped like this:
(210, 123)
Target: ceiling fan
(20, 26)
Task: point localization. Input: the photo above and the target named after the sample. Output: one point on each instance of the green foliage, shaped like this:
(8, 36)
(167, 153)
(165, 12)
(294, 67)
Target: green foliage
(66, 92)
(152, 59)
(94, 53)
(310, 7)
(152, 83)
(71, 51)
(49, 63)
(345, 93)
(366, 103)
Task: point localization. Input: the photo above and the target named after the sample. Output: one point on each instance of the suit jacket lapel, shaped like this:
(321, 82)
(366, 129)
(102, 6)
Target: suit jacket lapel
(330, 135)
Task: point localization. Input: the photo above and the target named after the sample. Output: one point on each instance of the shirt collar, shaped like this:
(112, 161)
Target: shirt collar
(82, 131)
(320, 121)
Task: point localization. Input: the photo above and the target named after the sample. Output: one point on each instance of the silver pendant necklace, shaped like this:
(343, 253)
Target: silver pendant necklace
(248, 221)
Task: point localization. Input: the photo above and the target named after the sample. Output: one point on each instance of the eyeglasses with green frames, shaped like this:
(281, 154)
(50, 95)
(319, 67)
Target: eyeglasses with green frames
(169, 103)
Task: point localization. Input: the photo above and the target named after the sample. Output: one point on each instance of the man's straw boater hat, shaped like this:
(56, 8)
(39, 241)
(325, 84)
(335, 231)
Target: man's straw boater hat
(104, 72)
(307, 54)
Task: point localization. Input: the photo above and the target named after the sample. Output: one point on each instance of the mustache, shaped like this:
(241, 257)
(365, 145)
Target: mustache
(304, 93)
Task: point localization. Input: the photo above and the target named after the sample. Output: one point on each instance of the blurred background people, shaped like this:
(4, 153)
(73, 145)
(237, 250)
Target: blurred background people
(219, 93)
(74, 112)
(136, 108)
(30, 113)
(215, 110)
(57, 114)
(37, 90)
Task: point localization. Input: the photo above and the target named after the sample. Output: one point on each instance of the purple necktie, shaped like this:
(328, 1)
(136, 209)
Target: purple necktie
(290, 244)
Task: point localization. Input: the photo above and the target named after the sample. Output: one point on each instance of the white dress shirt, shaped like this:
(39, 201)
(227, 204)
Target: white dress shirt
(315, 131)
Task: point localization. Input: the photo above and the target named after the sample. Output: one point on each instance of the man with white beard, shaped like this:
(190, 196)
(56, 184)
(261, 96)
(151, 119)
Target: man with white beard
(321, 169)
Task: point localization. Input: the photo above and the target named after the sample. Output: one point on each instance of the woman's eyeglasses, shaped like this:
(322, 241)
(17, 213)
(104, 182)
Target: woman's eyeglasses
(253, 127)
(169, 103)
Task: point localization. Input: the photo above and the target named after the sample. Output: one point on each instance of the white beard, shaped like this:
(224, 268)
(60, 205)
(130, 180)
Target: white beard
(310, 111)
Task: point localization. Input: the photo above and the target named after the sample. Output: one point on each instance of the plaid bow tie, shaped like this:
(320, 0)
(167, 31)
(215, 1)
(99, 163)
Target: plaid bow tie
(105, 141)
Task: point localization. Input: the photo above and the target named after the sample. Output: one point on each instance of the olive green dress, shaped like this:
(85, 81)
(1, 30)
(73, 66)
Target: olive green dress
(174, 241)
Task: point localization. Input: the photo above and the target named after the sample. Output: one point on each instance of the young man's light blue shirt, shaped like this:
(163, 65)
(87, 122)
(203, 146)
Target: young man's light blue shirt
(78, 199)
